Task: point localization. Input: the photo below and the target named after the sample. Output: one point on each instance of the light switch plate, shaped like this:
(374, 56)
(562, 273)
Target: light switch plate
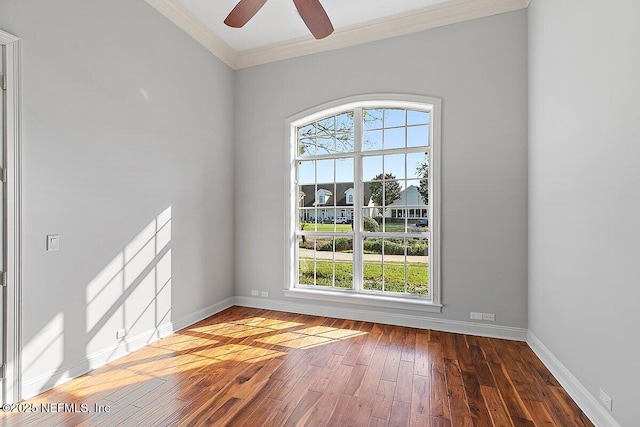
(53, 242)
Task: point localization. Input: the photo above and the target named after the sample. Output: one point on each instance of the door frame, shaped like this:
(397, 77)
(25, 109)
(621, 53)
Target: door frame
(12, 390)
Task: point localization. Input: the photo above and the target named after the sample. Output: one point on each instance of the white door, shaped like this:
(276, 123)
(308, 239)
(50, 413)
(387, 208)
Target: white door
(3, 103)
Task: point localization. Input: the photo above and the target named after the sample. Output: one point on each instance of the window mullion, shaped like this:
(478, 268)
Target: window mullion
(358, 188)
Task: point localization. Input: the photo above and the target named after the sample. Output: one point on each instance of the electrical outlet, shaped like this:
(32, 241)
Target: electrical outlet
(606, 401)
(489, 316)
(120, 333)
(265, 294)
(255, 293)
(476, 316)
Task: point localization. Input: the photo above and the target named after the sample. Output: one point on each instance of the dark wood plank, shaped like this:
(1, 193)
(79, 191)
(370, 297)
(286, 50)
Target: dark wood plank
(404, 383)
(421, 366)
(409, 347)
(438, 395)
(509, 394)
(400, 412)
(496, 407)
(460, 413)
(355, 380)
(349, 413)
(420, 402)
(383, 400)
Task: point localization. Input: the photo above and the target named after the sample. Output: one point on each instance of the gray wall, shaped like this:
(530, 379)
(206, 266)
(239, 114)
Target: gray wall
(585, 192)
(124, 116)
(479, 69)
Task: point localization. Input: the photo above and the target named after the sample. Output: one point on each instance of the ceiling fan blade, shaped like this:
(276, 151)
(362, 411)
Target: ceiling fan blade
(315, 17)
(243, 12)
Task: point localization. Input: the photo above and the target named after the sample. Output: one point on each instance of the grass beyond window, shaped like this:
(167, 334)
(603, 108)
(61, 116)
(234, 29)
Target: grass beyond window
(417, 275)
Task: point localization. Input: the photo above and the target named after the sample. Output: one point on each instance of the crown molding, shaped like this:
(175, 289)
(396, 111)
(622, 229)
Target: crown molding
(177, 13)
(397, 25)
(438, 15)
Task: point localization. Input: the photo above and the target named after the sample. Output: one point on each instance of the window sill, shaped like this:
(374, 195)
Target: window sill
(362, 299)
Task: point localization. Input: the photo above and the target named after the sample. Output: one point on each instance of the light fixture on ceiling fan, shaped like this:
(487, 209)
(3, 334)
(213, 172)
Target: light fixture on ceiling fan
(311, 12)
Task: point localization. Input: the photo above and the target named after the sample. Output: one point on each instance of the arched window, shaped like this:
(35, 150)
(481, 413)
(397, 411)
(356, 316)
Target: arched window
(376, 154)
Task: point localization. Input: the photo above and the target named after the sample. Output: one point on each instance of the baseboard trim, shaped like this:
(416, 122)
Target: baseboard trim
(585, 400)
(199, 315)
(372, 315)
(34, 386)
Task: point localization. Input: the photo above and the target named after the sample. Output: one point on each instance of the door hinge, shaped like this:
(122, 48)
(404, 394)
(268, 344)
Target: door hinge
(3, 278)
(4, 82)
(3, 371)
(3, 174)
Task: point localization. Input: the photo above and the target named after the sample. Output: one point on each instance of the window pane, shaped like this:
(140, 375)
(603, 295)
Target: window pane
(344, 122)
(369, 220)
(349, 196)
(306, 147)
(372, 140)
(344, 220)
(306, 268)
(326, 126)
(325, 171)
(394, 138)
(344, 170)
(372, 264)
(416, 163)
(371, 167)
(325, 145)
(394, 165)
(324, 261)
(392, 192)
(376, 195)
(310, 223)
(411, 196)
(372, 118)
(417, 118)
(394, 221)
(306, 217)
(306, 172)
(418, 266)
(394, 117)
(306, 140)
(394, 265)
(307, 131)
(328, 220)
(343, 262)
(344, 143)
(417, 136)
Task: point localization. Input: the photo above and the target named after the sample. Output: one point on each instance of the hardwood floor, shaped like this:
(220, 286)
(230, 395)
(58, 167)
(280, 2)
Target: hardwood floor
(249, 367)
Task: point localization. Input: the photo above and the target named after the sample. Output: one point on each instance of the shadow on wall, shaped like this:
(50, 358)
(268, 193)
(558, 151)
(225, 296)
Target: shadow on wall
(130, 296)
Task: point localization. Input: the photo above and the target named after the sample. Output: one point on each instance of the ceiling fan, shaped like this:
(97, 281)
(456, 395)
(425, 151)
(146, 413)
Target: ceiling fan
(311, 12)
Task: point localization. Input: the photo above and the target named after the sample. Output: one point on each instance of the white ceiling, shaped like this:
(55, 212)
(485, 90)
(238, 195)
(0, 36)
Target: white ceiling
(276, 32)
(278, 20)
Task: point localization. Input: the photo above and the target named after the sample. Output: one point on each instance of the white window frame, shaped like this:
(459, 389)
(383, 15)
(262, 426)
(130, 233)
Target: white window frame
(434, 105)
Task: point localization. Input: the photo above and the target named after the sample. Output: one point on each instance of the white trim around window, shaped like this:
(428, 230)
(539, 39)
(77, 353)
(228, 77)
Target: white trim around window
(433, 302)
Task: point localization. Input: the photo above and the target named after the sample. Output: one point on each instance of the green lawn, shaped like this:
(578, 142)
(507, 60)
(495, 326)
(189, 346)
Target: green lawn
(389, 228)
(329, 227)
(417, 275)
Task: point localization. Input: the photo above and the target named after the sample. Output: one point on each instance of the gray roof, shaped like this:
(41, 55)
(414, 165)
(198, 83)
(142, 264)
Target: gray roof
(338, 190)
